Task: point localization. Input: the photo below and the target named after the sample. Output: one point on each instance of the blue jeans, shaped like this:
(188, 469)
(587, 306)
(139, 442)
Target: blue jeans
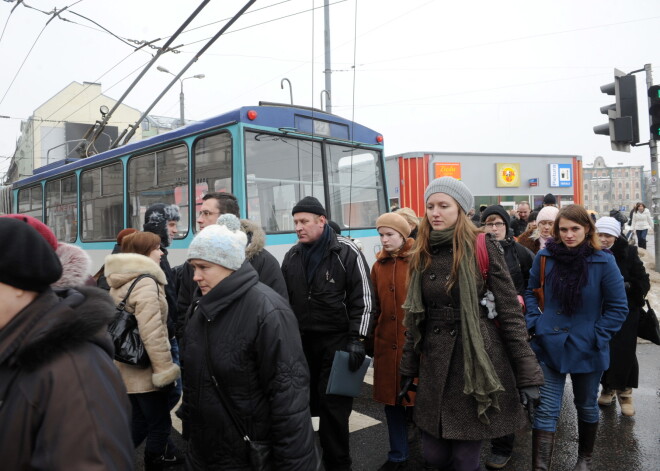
(641, 238)
(397, 428)
(585, 392)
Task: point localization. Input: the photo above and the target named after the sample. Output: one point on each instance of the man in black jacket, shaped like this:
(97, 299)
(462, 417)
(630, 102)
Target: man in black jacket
(331, 294)
(520, 225)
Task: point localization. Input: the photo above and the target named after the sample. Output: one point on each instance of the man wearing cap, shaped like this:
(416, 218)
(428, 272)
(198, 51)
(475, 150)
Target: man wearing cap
(242, 354)
(63, 404)
(331, 294)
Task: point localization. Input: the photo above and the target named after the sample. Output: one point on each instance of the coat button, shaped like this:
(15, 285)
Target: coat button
(434, 304)
(432, 276)
(453, 332)
(393, 318)
(436, 330)
(391, 288)
(394, 347)
(450, 305)
(555, 328)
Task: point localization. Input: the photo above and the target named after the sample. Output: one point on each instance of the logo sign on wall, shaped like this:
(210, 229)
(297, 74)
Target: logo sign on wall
(508, 175)
(561, 175)
(447, 169)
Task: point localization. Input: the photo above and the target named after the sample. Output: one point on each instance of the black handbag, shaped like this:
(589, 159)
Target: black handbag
(260, 452)
(125, 336)
(648, 328)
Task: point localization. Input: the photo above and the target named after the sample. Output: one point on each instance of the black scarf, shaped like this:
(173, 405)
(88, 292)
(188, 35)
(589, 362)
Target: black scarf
(312, 254)
(569, 274)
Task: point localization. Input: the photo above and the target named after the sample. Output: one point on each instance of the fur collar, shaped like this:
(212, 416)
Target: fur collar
(76, 266)
(256, 238)
(57, 322)
(131, 265)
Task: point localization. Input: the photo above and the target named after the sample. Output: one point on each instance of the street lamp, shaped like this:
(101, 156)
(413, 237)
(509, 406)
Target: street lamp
(181, 97)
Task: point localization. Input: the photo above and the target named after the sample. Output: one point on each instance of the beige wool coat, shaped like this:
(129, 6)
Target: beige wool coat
(147, 301)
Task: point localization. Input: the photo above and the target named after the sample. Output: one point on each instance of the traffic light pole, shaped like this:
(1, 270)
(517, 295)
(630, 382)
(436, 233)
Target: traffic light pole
(655, 197)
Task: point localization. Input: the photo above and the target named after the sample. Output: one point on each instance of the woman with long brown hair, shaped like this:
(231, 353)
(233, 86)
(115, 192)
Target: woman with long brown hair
(140, 255)
(584, 305)
(473, 375)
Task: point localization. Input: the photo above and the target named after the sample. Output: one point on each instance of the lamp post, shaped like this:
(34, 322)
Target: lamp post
(181, 96)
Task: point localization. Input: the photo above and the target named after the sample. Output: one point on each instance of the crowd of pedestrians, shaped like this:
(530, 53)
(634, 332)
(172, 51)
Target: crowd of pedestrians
(474, 320)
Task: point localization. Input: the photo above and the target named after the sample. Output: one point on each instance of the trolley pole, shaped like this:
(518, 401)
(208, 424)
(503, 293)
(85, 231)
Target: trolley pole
(655, 196)
(328, 62)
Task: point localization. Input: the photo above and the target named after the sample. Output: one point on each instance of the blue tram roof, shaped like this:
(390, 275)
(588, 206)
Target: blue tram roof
(272, 115)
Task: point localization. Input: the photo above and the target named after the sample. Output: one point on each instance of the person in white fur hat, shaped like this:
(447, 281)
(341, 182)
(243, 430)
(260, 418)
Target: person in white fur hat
(623, 373)
(241, 340)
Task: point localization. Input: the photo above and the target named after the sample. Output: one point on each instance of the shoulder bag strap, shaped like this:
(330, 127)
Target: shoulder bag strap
(226, 401)
(122, 304)
(542, 271)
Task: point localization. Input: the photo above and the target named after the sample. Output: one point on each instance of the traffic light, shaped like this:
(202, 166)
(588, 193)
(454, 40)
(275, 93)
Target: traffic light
(623, 125)
(654, 111)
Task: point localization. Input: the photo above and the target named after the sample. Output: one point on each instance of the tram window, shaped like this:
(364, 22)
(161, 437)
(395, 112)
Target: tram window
(356, 186)
(212, 166)
(102, 203)
(159, 177)
(62, 208)
(30, 202)
(280, 171)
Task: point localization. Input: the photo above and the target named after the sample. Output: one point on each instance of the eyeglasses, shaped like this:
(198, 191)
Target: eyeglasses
(494, 225)
(207, 213)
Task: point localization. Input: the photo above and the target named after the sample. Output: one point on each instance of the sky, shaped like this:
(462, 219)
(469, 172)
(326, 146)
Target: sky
(520, 77)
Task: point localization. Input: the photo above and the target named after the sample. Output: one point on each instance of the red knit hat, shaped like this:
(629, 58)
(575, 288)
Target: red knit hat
(41, 228)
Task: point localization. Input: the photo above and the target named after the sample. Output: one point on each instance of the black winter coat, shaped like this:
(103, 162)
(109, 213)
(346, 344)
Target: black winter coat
(340, 298)
(519, 261)
(257, 357)
(518, 226)
(623, 372)
(63, 404)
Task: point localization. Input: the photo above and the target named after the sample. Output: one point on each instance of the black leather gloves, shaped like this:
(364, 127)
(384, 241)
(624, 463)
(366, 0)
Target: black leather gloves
(356, 351)
(406, 385)
(529, 398)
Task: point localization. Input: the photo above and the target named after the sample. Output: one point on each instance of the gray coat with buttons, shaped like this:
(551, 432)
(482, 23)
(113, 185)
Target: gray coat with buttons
(442, 409)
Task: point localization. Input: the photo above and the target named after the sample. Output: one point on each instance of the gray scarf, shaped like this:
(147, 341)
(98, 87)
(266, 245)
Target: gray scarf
(480, 377)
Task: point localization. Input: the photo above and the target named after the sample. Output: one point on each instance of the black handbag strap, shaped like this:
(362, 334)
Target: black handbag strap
(224, 399)
(122, 304)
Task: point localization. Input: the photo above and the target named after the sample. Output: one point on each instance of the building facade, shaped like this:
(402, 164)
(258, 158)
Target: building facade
(56, 128)
(493, 178)
(607, 188)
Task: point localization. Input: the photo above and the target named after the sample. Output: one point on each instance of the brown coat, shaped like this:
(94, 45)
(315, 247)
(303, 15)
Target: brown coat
(390, 278)
(63, 405)
(441, 408)
(147, 301)
(530, 239)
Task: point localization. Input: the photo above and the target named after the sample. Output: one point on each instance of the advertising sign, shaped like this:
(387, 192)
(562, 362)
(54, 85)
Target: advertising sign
(533, 182)
(561, 175)
(447, 169)
(508, 175)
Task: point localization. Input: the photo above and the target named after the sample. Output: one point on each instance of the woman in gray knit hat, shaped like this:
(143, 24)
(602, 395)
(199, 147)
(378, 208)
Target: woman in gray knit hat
(474, 377)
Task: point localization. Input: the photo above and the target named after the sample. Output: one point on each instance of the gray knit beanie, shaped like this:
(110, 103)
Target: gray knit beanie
(222, 243)
(452, 187)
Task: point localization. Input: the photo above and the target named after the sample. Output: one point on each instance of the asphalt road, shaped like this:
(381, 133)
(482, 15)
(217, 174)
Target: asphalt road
(623, 443)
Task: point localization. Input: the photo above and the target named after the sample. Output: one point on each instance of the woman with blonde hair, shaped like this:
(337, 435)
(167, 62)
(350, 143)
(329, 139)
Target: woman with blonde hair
(473, 375)
(412, 220)
(584, 305)
(151, 414)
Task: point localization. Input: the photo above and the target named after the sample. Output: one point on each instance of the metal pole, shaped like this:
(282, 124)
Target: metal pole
(328, 67)
(655, 197)
(181, 99)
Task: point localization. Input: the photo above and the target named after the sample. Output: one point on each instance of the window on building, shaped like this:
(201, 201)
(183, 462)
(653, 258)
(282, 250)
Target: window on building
(212, 166)
(159, 177)
(62, 208)
(586, 197)
(637, 196)
(102, 203)
(30, 202)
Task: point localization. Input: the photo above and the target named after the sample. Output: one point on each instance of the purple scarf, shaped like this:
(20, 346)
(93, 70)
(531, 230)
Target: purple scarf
(569, 274)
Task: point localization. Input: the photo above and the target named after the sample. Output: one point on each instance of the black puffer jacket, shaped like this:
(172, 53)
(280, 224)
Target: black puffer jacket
(341, 296)
(63, 404)
(519, 261)
(257, 357)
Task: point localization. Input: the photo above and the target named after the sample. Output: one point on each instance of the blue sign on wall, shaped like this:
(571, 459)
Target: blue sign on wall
(561, 175)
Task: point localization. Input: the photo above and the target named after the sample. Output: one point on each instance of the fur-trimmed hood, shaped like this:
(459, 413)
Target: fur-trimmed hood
(76, 266)
(55, 322)
(124, 267)
(256, 238)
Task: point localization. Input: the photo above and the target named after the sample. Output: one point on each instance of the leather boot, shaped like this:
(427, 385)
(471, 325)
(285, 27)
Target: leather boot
(153, 462)
(542, 444)
(586, 439)
(626, 402)
(606, 397)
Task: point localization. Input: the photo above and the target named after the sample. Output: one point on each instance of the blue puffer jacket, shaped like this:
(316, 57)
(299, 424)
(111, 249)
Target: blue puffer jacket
(577, 343)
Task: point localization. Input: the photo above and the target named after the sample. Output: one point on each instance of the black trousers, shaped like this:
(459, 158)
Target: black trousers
(333, 411)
